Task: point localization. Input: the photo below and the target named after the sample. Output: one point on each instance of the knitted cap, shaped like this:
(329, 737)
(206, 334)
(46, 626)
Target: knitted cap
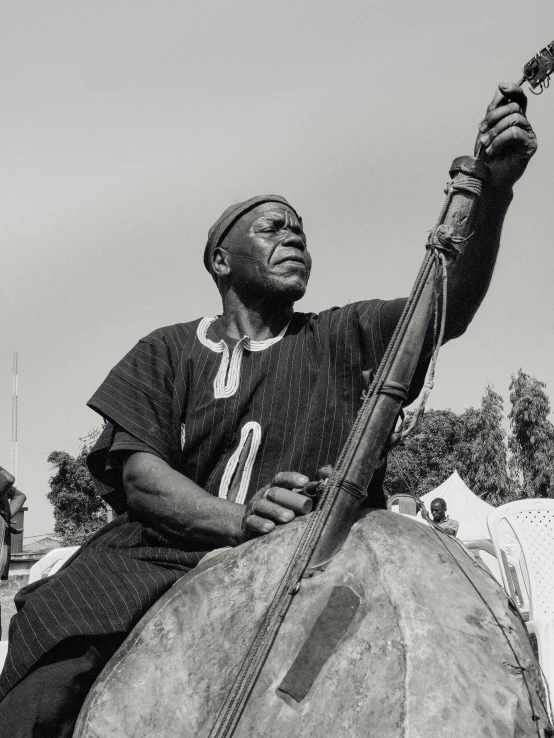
(230, 216)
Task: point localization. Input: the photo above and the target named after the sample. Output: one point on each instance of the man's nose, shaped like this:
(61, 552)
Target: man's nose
(295, 240)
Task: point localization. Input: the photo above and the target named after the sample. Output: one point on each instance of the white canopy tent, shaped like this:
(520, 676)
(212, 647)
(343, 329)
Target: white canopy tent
(463, 505)
(471, 512)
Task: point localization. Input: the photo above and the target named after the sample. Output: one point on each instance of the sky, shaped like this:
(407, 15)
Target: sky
(129, 126)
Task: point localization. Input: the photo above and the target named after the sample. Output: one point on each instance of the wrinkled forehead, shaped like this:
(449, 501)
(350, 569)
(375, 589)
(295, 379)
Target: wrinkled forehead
(269, 211)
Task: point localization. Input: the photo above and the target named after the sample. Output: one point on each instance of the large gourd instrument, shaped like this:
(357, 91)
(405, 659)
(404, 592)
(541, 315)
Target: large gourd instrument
(340, 623)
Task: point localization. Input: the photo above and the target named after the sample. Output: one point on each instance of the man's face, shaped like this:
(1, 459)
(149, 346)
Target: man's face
(438, 511)
(267, 253)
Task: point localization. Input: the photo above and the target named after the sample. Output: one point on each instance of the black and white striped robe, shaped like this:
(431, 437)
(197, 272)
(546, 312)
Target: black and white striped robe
(277, 405)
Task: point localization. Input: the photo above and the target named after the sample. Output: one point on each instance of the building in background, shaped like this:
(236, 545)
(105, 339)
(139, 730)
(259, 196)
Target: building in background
(41, 545)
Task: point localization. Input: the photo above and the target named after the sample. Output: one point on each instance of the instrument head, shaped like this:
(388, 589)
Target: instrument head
(537, 71)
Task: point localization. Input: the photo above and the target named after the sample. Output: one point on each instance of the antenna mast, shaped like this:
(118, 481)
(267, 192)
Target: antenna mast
(13, 448)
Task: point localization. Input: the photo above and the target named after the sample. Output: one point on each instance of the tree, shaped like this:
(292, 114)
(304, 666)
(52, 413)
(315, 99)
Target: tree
(78, 509)
(428, 456)
(531, 442)
(482, 455)
(472, 443)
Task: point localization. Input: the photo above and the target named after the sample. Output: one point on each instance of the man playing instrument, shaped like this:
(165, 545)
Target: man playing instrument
(204, 417)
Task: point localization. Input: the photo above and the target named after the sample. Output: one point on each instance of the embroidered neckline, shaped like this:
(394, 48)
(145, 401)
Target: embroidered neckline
(246, 342)
(227, 379)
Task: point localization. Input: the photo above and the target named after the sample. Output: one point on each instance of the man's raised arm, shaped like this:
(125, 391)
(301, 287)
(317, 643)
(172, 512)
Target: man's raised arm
(509, 143)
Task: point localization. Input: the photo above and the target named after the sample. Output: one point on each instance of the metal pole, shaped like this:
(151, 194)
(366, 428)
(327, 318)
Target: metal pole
(13, 448)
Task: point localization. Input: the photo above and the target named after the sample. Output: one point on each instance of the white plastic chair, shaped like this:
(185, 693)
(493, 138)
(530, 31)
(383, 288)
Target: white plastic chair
(50, 563)
(532, 522)
(484, 550)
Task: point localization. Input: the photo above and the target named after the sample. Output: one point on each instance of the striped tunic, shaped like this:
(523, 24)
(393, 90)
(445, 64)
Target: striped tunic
(228, 415)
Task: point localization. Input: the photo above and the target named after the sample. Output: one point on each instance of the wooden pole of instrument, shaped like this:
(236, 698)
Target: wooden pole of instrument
(367, 442)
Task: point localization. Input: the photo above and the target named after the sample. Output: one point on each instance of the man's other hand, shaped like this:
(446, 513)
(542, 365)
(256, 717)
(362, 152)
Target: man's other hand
(506, 136)
(261, 516)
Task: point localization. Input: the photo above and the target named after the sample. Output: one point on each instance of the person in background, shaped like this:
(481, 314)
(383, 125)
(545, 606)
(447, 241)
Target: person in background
(11, 502)
(440, 517)
(9, 507)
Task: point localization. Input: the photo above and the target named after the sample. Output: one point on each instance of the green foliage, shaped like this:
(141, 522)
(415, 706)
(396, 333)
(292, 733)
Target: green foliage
(483, 460)
(474, 443)
(78, 509)
(532, 439)
(427, 456)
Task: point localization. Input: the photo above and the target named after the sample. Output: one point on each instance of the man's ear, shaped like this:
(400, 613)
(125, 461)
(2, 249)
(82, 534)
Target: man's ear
(220, 261)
